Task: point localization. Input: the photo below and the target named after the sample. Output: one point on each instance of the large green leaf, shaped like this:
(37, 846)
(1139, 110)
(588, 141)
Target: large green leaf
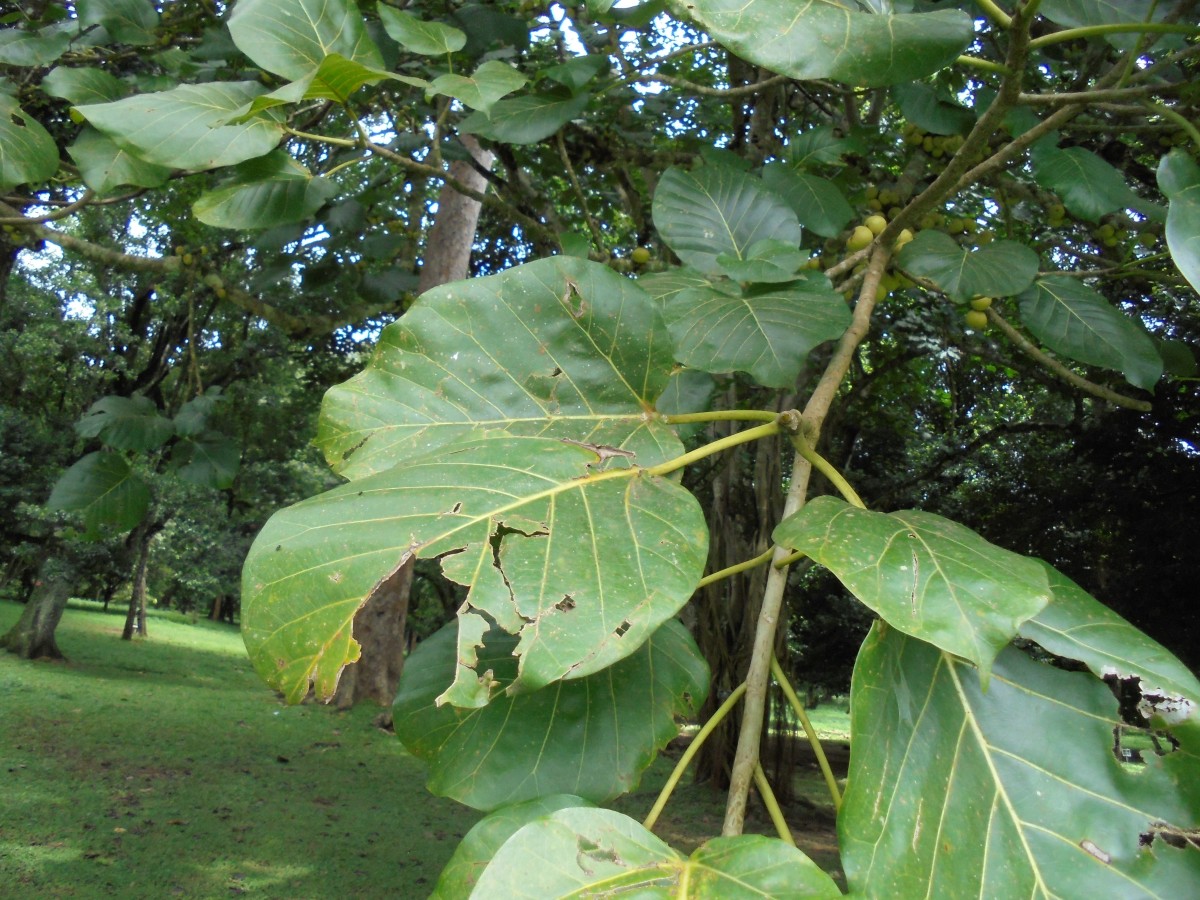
(528, 119)
(597, 734)
(292, 37)
(716, 210)
(832, 40)
(925, 575)
(105, 489)
(265, 192)
(486, 85)
(126, 423)
(1072, 319)
(104, 166)
(586, 852)
(581, 561)
(1013, 791)
(83, 85)
(932, 111)
(1089, 186)
(562, 347)
(1074, 625)
(998, 269)
(27, 152)
(1179, 179)
(418, 36)
(1082, 13)
(187, 127)
(19, 47)
(209, 460)
(488, 835)
(767, 332)
(817, 202)
(127, 21)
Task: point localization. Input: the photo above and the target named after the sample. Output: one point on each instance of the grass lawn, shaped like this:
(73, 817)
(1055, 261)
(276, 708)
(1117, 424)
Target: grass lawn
(165, 768)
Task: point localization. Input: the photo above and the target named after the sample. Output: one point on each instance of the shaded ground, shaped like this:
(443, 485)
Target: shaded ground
(164, 768)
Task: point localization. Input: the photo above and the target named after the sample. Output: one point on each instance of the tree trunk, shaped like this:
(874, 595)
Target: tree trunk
(139, 540)
(380, 623)
(33, 635)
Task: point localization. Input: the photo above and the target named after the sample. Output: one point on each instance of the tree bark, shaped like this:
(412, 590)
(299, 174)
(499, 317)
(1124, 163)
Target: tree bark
(139, 539)
(379, 624)
(32, 637)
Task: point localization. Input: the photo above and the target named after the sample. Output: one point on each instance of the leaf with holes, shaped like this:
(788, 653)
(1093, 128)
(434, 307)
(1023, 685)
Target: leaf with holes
(1072, 319)
(597, 734)
(999, 269)
(561, 347)
(1179, 179)
(715, 210)
(28, 154)
(105, 489)
(1015, 791)
(187, 127)
(290, 38)
(586, 852)
(832, 40)
(1074, 625)
(582, 560)
(767, 331)
(925, 575)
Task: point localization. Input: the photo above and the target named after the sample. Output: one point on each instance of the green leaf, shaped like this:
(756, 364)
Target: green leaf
(525, 120)
(922, 106)
(186, 128)
(126, 423)
(924, 575)
(19, 47)
(718, 210)
(209, 460)
(192, 418)
(104, 166)
(273, 190)
(586, 852)
(291, 37)
(766, 332)
(688, 391)
(104, 488)
(490, 82)
(28, 154)
(1072, 319)
(480, 844)
(1179, 180)
(84, 85)
(817, 202)
(597, 734)
(419, 36)
(1074, 625)
(583, 562)
(575, 244)
(766, 262)
(562, 347)
(818, 146)
(830, 40)
(1089, 186)
(1082, 13)
(1015, 791)
(127, 21)
(577, 71)
(998, 269)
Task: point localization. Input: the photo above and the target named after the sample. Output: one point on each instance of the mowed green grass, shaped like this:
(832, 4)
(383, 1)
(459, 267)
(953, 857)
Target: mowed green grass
(165, 768)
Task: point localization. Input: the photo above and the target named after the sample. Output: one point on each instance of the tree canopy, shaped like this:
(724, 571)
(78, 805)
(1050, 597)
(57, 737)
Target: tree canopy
(896, 296)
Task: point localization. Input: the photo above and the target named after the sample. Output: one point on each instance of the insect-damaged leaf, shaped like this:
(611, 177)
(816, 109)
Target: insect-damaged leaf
(1015, 791)
(561, 347)
(597, 734)
(583, 563)
(925, 575)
